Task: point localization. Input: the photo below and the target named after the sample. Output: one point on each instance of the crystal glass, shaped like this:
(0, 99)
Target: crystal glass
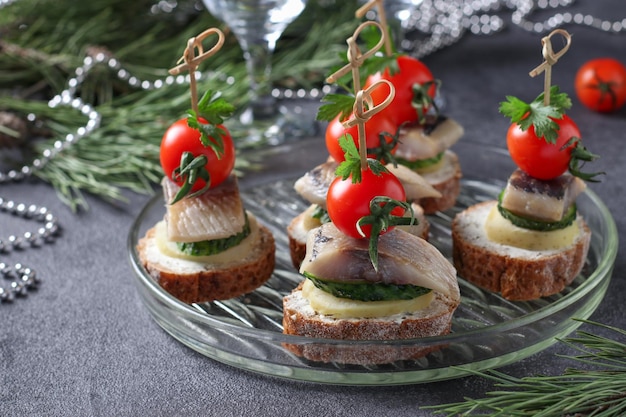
(257, 25)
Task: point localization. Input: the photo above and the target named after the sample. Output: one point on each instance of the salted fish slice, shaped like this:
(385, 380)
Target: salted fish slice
(546, 200)
(313, 185)
(415, 186)
(215, 214)
(402, 259)
(423, 142)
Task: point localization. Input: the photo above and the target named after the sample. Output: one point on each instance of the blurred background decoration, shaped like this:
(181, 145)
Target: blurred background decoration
(85, 95)
(57, 57)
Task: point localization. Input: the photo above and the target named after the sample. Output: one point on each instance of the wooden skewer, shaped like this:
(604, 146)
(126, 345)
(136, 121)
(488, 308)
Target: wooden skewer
(382, 16)
(364, 109)
(550, 58)
(355, 57)
(190, 60)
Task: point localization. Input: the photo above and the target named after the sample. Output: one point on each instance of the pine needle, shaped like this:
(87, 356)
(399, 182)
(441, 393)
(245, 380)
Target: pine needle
(597, 388)
(40, 52)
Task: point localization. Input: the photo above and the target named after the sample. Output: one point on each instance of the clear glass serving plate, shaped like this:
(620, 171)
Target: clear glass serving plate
(487, 330)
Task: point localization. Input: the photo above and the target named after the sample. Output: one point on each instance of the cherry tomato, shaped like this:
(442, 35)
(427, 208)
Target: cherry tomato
(537, 157)
(348, 202)
(374, 126)
(179, 137)
(411, 71)
(601, 84)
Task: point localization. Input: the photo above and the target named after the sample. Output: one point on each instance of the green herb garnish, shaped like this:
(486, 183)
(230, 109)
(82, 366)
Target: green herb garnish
(368, 291)
(537, 114)
(336, 104)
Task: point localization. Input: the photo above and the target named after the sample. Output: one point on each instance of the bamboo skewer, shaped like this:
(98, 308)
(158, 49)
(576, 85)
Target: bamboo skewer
(190, 60)
(356, 57)
(382, 16)
(364, 109)
(550, 59)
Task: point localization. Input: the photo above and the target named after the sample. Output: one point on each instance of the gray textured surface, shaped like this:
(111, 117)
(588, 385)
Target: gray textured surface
(85, 345)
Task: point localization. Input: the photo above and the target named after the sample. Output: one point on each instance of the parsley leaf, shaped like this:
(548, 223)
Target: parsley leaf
(514, 108)
(559, 100)
(378, 64)
(351, 167)
(352, 164)
(537, 114)
(338, 104)
(214, 109)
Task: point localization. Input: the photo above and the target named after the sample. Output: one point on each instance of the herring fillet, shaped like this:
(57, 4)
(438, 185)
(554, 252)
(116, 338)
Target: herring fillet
(417, 142)
(402, 259)
(415, 186)
(215, 214)
(545, 200)
(313, 185)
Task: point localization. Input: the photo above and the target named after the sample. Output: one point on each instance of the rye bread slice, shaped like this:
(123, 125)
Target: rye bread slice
(517, 274)
(300, 319)
(193, 282)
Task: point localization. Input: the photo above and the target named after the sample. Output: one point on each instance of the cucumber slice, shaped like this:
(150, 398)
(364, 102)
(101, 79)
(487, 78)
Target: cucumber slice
(368, 291)
(538, 225)
(421, 163)
(321, 214)
(215, 246)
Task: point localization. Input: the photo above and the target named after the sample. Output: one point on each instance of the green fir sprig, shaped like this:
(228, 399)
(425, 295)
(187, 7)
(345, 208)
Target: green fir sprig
(39, 53)
(597, 387)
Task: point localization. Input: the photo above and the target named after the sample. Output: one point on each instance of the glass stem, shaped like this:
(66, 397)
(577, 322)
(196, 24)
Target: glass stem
(258, 57)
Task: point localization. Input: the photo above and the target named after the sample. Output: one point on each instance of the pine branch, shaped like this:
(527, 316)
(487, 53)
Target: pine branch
(600, 391)
(39, 53)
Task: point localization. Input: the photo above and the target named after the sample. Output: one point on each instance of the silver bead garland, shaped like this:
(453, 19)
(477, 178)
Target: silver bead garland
(19, 279)
(444, 22)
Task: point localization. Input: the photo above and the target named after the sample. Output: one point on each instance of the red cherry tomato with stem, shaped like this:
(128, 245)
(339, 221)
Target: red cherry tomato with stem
(537, 157)
(179, 138)
(601, 84)
(348, 202)
(411, 71)
(376, 125)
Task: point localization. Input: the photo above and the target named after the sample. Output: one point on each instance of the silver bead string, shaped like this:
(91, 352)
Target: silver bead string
(17, 280)
(525, 7)
(444, 22)
(22, 279)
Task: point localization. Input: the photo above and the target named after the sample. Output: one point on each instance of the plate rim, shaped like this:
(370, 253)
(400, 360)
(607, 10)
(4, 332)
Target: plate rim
(600, 275)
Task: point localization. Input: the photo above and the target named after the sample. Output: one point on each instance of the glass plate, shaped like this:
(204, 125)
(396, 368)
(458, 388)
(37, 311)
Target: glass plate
(487, 330)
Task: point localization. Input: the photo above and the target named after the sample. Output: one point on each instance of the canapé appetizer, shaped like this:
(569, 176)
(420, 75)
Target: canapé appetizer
(531, 242)
(207, 247)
